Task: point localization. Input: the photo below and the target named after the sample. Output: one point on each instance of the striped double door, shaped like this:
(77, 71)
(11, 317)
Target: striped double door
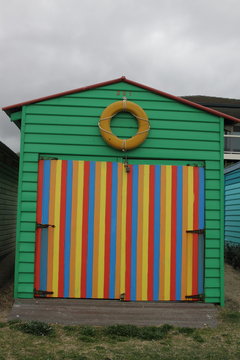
(107, 233)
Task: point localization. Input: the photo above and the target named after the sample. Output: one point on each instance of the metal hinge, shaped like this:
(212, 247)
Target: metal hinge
(199, 297)
(197, 231)
(44, 226)
(42, 293)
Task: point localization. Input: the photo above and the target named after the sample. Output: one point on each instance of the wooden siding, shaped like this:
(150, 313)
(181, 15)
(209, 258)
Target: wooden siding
(66, 127)
(8, 199)
(232, 206)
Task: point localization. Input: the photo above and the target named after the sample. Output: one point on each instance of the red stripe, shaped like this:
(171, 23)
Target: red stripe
(173, 234)
(151, 233)
(62, 229)
(107, 229)
(85, 228)
(128, 234)
(195, 236)
(39, 220)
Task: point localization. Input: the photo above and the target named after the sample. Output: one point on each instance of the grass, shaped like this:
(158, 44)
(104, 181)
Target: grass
(36, 340)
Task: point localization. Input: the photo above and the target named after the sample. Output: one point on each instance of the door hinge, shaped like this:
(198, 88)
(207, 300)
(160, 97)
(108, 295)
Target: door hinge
(42, 293)
(197, 231)
(199, 297)
(44, 226)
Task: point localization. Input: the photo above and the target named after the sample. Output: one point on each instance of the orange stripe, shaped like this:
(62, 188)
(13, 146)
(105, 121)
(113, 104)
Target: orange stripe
(162, 231)
(51, 221)
(96, 229)
(119, 222)
(184, 229)
(73, 228)
(140, 232)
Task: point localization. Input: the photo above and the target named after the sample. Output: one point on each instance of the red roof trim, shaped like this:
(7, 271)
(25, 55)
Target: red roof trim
(16, 107)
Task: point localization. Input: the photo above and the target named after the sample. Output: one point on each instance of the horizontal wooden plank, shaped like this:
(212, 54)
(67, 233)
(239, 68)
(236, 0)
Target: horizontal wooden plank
(122, 131)
(212, 282)
(140, 152)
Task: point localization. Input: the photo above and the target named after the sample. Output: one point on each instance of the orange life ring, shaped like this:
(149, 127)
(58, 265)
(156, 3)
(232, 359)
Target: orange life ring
(105, 129)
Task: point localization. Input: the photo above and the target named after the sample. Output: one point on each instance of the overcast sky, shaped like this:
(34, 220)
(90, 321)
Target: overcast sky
(184, 47)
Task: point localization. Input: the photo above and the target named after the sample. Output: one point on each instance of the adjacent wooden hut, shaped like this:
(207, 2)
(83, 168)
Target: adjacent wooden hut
(232, 203)
(8, 209)
(134, 216)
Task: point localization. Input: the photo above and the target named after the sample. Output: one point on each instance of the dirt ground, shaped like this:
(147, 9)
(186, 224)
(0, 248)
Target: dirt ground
(232, 293)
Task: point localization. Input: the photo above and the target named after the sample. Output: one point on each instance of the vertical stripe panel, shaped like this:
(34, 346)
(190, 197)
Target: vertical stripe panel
(190, 227)
(145, 232)
(57, 227)
(79, 226)
(151, 232)
(90, 240)
(162, 233)
(44, 220)
(119, 224)
(184, 229)
(97, 210)
(134, 232)
(173, 234)
(101, 247)
(67, 244)
(201, 226)
(168, 232)
(85, 229)
(123, 232)
(107, 230)
(62, 196)
(39, 231)
(195, 236)
(157, 208)
(113, 231)
(128, 233)
(140, 231)
(51, 230)
(179, 232)
(73, 229)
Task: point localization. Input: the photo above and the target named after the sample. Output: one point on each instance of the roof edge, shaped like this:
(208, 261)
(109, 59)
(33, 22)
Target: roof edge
(12, 108)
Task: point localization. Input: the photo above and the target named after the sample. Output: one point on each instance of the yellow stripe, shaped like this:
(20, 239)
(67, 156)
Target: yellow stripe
(190, 227)
(79, 215)
(57, 228)
(123, 233)
(145, 232)
(167, 273)
(101, 243)
(96, 230)
(51, 230)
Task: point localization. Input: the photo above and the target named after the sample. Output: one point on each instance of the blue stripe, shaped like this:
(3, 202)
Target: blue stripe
(133, 291)
(67, 244)
(113, 231)
(90, 229)
(201, 226)
(44, 232)
(157, 206)
(179, 233)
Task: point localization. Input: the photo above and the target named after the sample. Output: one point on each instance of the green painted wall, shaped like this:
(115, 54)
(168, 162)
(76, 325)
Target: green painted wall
(66, 127)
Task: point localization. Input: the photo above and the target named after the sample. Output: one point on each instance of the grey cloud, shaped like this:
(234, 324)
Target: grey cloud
(179, 46)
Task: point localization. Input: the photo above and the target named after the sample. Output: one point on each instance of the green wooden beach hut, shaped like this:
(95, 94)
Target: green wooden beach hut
(138, 221)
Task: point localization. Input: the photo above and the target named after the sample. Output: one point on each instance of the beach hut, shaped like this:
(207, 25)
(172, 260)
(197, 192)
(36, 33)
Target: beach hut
(121, 196)
(8, 209)
(232, 204)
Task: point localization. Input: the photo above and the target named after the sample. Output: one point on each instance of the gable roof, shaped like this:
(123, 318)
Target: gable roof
(17, 107)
